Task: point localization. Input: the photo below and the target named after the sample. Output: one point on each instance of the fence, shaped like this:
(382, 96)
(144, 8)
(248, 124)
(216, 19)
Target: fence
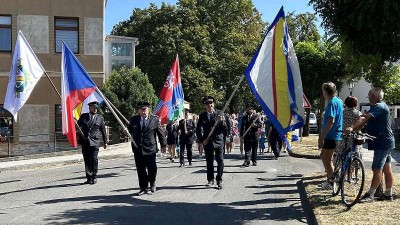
(36, 147)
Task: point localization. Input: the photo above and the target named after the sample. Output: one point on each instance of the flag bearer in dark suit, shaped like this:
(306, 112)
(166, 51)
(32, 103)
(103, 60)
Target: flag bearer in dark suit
(215, 145)
(144, 128)
(250, 123)
(187, 128)
(94, 131)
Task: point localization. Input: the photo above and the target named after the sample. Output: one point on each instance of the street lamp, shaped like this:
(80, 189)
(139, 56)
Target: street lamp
(351, 87)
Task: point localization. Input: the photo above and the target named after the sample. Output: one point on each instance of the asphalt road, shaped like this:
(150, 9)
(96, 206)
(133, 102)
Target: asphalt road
(263, 194)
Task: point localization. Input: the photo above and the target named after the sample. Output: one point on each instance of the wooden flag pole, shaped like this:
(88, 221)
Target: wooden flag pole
(116, 116)
(223, 110)
(248, 129)
(115, 108)
(54, 87)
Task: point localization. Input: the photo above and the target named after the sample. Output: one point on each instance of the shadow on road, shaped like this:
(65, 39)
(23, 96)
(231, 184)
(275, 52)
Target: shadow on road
(126, 209)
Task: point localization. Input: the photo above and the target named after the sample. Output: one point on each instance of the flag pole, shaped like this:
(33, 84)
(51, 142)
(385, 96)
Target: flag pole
(115, 108)
(225, 107)
(116, 116)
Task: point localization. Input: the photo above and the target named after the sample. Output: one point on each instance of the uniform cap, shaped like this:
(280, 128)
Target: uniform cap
(143, 105)
(208, 99)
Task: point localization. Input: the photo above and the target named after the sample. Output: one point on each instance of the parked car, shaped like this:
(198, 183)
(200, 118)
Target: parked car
(313, 123)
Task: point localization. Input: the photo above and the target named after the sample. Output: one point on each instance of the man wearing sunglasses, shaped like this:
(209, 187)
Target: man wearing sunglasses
(213, 145)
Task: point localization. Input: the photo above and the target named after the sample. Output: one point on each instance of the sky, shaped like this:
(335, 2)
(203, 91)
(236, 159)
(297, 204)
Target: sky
(120, 10)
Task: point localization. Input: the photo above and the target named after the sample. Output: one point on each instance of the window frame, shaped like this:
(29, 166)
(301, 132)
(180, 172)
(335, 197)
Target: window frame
(7, 26)
(56, 28)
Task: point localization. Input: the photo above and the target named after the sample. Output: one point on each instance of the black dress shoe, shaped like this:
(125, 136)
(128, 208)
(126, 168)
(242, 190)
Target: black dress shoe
(254, 163)
(87, 182)
(210, 183)
(190, 163)
(219, 184)
(141, 192)
(153, 188)
(93, 181)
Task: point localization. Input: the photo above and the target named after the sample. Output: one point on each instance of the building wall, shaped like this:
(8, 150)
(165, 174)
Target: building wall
(35, 18)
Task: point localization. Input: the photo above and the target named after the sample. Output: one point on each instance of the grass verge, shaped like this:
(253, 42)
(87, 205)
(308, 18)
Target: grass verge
(330, 210)
(307, 147)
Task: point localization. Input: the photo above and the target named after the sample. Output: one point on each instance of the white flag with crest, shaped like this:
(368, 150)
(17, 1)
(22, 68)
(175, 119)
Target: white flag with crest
(25, 72)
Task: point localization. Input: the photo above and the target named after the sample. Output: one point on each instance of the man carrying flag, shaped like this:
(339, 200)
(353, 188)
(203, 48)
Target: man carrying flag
(76, 86)
(94, 131)
(274, 71)
(170, 106)
(25, 72)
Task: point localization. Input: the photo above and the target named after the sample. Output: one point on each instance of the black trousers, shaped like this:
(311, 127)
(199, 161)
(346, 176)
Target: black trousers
(185, 145)
(276, 145)
(219, 157)
(250, 150)
(90, 157)
(146, 168)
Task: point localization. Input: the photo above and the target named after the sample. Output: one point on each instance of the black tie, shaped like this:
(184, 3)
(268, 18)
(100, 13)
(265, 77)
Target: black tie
(143, 124)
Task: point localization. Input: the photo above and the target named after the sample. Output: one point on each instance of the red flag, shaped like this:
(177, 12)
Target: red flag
(171, 101)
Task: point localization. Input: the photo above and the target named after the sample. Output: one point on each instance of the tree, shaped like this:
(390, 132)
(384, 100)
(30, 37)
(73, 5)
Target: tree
(125, 88)
(367, 29)
(214, 39)
(302, 27)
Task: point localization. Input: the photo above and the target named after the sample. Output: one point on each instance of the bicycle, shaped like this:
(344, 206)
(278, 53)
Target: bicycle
(349, 172)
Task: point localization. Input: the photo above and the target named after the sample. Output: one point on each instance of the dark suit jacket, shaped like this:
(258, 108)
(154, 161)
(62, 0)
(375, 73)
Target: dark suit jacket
(252, 134)
(146, 139)
(187, 138)
(93, 129)
(217, 138)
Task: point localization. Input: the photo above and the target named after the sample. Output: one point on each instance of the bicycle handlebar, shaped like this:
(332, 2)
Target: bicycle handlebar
(365, 136)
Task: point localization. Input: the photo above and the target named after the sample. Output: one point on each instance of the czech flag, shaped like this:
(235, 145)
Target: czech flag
(171, 102)
(274, 77)
(76, 86)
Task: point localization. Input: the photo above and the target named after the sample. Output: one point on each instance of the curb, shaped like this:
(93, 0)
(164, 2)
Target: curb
(296, 155)
(310, 215)
(60, 163)
(76, 158)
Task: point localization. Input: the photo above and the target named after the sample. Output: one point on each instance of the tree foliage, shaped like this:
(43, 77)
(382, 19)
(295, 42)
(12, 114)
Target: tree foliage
(302, 27)
(319, 63)
(368, 27)
(214, 39)
(125, 88)
(370, 35)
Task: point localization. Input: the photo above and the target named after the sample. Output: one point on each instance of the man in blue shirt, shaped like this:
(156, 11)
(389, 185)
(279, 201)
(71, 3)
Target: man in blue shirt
(331, 130)
(378, 119)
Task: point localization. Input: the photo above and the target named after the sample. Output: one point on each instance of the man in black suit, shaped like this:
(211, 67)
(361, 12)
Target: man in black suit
(214, 144)
(186, 128)
(144, 128)
(93, 129)
(250, 123)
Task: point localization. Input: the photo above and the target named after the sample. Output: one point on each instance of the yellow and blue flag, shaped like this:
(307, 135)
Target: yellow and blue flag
(274, 78)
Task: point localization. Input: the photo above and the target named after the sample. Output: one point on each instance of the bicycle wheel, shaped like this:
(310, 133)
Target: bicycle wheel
(352, 182)
(336, 177)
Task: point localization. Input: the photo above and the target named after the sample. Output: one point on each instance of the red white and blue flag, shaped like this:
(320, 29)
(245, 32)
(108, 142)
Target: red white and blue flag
(76, 86)
(171, 102)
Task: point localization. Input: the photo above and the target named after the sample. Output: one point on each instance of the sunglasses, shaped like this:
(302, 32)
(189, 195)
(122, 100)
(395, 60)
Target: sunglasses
(209, 102)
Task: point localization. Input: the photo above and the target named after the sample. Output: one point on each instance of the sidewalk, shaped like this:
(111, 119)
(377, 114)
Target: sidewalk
(46, 160)
(121, 150)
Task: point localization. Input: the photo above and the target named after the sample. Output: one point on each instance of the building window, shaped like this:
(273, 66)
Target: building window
(118, 64)
(121, 49)
(58, 123)
(5, 33)
(6, 123)
(67, 30)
